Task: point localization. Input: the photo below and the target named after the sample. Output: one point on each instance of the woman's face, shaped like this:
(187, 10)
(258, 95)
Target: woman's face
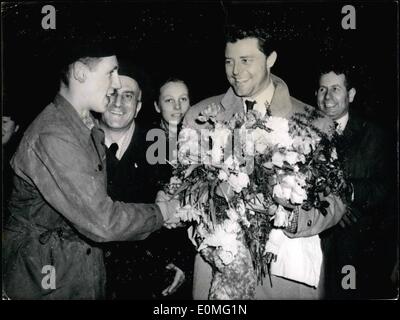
(173, 102)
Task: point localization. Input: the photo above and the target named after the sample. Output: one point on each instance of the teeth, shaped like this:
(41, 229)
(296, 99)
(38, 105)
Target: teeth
(117, 113)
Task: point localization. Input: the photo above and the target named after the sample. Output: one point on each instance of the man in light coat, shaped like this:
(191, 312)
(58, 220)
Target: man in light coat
(249, 57)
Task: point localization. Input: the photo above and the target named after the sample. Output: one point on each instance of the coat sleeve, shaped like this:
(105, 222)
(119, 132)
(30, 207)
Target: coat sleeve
(370, 171)
(68, 180)
(313, 222)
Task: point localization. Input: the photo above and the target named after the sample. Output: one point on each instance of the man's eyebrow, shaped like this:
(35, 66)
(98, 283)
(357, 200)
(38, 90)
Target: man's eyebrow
(243, 57)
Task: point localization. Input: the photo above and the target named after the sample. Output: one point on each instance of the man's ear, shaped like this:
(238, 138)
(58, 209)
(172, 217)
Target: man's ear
(138, 107)
(79, 70)
(271, 59)
(352, 93)
(157, 107)
(139, 103)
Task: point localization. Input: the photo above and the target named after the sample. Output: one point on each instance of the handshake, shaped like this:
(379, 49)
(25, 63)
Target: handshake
(169, 206)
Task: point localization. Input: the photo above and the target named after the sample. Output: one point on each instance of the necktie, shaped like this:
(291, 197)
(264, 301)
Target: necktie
(338, 129)
(249, 105)
(113, 149)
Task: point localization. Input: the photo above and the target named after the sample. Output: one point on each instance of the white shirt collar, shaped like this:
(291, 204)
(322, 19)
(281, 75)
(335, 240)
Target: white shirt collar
(123, 142)
(262, 98)
(342, 123)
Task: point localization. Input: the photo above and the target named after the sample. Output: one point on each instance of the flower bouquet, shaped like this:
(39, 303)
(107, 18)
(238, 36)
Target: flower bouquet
(237, 180)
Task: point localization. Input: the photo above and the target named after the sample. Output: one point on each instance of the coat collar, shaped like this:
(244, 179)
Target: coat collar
(281, 105)
(78, 127)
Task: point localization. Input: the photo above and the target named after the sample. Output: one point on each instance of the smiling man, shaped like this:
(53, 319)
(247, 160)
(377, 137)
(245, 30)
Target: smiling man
(249, 57)
(133, 273)
(118, 122)
(363, 147)
(59, 208)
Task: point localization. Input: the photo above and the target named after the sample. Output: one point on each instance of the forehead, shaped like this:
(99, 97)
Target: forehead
(331, 79)
(108, 63)
(242, 47)
(173, 88)
(128, 83)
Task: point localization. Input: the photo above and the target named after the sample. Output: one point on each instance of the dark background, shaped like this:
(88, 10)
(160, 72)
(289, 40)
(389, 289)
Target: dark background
(185, 39)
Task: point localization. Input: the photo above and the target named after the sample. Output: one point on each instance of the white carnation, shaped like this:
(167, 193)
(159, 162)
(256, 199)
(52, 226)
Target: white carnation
(222, 175)
(277, 159)
(280, 132)
(238, 181)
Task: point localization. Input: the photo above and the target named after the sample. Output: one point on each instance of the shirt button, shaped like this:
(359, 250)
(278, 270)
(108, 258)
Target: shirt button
(309, 223)
(88, 251)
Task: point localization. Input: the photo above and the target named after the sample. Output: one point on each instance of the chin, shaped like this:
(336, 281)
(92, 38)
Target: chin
(174, 122)
(100, 109)
(241, 92)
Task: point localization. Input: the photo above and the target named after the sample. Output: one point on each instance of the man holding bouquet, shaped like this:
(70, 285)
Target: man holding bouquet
(249, 57)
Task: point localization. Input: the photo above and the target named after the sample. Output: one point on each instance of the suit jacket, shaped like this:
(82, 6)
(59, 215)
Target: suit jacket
(282, 105)
(59, 209)
(362, 148)
(137, 270)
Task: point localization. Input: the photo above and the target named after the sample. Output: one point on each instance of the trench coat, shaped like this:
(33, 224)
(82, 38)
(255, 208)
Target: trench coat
(60, 211)
(309, 223)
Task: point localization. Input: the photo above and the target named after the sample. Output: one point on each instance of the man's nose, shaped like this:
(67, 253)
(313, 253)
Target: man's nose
(118, 100)
(328, 94)
(116, 82)
(236, 69)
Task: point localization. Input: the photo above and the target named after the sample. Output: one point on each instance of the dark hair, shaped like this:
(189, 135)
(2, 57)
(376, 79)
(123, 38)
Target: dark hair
(266, 43)
(338, 67)
(127, 68)
(167, 80)
(90, 53)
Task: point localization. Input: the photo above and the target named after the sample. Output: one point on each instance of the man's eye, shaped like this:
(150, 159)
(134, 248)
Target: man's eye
(128, 96)
(184, 99)
(228, 62)
(321, 90)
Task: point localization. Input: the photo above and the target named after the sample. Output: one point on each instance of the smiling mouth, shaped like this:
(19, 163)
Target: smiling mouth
(239, 82)
(115, 112)
(177, 115)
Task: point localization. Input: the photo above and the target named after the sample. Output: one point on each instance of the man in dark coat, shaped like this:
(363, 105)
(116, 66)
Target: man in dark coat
(363, 150)
(150, 268)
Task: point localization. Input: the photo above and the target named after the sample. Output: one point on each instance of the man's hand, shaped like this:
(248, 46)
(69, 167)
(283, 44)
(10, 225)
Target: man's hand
(349, 218)
(168, 206)
(284, 203)
(179, 279)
